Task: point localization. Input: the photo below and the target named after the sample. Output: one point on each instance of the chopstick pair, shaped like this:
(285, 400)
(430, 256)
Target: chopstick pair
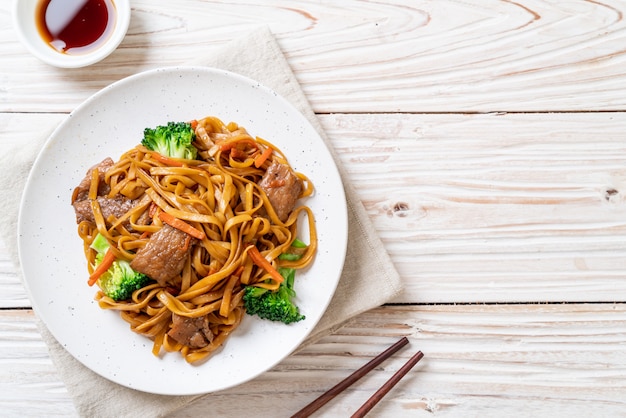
(378, 395)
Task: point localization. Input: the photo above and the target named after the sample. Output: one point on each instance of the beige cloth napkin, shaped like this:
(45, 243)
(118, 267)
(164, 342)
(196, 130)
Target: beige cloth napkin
(259, 57)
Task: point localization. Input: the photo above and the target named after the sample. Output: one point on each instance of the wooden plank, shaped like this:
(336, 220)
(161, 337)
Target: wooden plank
(28, 379)
(494, 207)
(363, 56)
(474, 208)
(493, 360)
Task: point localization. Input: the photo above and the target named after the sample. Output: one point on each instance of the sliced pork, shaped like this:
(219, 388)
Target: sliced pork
(116, 206)
(192, 332)
(164, 256)
(282, 187)
(82, 190)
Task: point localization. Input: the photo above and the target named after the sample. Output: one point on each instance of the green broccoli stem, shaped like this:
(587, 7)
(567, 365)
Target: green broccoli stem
(274, 305)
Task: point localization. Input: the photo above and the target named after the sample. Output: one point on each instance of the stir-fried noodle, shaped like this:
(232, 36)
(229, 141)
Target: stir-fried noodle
(218, 195)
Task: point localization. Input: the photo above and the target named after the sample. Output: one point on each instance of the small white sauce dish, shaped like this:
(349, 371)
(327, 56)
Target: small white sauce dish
(25, 23)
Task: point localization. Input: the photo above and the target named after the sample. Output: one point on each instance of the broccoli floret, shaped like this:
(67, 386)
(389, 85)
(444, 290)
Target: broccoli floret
(274, 305)
(172, 140)
(120, 280)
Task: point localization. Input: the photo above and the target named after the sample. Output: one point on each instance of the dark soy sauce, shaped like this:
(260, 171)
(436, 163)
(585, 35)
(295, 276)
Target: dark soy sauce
(75, 26)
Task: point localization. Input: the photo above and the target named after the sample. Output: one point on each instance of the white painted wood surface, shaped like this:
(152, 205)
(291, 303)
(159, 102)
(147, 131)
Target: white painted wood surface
(366, 56)
(480, 360)
(487, 143)
(477, 207)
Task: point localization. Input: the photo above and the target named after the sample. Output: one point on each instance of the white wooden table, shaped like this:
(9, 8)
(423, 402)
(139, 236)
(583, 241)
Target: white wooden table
(487, 141)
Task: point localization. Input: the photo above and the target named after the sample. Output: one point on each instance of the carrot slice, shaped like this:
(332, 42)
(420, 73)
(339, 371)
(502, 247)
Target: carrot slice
(258, 259)
(261, 158)
(194, 124)
(152, 209)
(166, 160)
(225, 146)
(238, 154)
(181, 225)
(107, 261)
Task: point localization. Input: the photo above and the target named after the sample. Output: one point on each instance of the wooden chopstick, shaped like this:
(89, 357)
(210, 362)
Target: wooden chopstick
(380, 393)
(339, 387)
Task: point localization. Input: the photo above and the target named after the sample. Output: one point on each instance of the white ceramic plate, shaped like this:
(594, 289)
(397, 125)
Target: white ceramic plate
(108, 124)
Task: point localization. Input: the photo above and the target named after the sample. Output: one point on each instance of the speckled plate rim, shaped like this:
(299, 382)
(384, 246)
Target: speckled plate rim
(111, 122)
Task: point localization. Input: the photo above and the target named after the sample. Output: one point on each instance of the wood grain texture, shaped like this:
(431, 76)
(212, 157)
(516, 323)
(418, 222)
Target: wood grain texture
(28, 379)
(495, 207)
(475, 200)
(478, 207)
(366, 56)
(489, 360)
